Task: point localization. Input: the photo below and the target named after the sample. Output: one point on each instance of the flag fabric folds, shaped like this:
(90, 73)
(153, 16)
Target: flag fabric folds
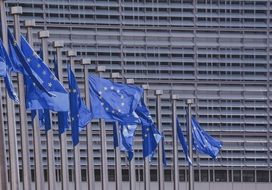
(203, 142)
(113, 101)
(183, 142)
(35, 98)
(19, 63)
(126, 138)
(126, 144)
(150, 134)
(62, 115)
(79, 114)
(4, 72)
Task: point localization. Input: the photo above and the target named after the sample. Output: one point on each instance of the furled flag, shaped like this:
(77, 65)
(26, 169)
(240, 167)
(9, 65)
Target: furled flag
(150, 134)
(19, 63)
(113, 101)
(183, 142)
(203, 142)
(163, 151)
(79, 114)
(4, 72)
(35, 98)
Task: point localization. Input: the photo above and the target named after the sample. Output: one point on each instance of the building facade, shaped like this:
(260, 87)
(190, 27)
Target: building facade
(216, 52)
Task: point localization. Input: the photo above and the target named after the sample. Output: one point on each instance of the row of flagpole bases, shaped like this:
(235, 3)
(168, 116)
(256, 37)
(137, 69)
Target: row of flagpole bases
(103, 109)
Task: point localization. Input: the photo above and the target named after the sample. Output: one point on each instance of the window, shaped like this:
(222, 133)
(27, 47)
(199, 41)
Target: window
(248, 176)
(167, 175)
(204, 176)
(262, 176)
(220, 175)
(237, 176)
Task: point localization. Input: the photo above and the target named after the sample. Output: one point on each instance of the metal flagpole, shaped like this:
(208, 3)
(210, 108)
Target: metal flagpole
(175, 141)
(132, 184)
(16, 11)
(191, 167)
(158, 94)
(146, 160)
(77, 173)
(39, 182)
(90, 165)
(49, 134)
(118, 167)
(63, 143)
(10, 110)
(103, 140)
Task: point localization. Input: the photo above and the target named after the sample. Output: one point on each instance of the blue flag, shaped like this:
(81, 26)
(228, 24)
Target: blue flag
(4, 72)
(163, 152)
(19, 63)
(62, 116)
(183, 142)
(150, 134)
(79, 114)
(35, 98)
(126, 144)
(113, 101)
(203, 142)
(10, 89)
(115, 130)
(44, 118)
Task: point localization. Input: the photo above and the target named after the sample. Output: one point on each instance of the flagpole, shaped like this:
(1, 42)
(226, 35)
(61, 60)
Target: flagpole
(132, 180)
(90, 165)
(190, 144)
(118, 167)
(146, 160)
(175, 141)
(10, 109)
(77, 173)
(158, 94)
(63, 143)
(44, 34)
(39, 183)
(103, 140)
(16, 11)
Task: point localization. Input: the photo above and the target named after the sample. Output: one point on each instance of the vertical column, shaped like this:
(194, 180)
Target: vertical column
(158, 94)
(174, 99)
(49, 134)
(132, 180)
(90, 162)
(10, 114)
(16, 11)
(104, 166)
(77, 174)
(39, 183)
(63, 143)
(146, 160)
(190, 143)
(118, 167)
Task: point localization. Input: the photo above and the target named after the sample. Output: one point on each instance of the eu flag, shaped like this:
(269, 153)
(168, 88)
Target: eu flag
(113, 101)
(79, 114)
(150, 134)
(35, 98)
(4, 72)
(126, 144)
(183, 142)
(164, 161)
(203, 142)
(19, 63)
